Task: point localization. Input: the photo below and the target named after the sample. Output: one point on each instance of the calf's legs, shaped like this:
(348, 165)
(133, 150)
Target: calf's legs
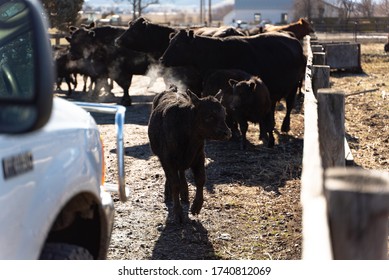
(176, 187)
(266, 127)
(198, 170)
(173, 186)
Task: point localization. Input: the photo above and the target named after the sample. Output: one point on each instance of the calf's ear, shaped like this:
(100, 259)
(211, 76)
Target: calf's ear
(72, 28)
(232, 82)
(252, 86)
(171, 35)
(193, 97)
(173, 87)
(219, 95)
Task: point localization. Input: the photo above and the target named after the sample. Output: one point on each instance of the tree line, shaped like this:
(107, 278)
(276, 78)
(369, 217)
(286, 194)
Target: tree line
(346, 9)
(64, 13)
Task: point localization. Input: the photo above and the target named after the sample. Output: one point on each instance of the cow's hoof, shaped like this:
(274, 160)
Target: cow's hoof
(285, 127)
(270, 143)
(196, 207)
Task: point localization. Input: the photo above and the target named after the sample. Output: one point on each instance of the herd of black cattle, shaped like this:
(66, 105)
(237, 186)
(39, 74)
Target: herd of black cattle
(220, 78)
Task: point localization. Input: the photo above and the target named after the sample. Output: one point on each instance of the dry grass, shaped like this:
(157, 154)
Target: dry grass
(367, 115)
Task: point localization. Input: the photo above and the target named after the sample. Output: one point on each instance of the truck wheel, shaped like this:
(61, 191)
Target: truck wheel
(64, 251)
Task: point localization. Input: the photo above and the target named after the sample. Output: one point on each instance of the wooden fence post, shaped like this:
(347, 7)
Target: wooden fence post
(320, 77)
(358, 207)
(319, 58)
(331, 127)
(317, 48)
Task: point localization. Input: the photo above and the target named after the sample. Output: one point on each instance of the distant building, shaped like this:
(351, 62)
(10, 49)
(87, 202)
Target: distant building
(257, 11)
(326, 9)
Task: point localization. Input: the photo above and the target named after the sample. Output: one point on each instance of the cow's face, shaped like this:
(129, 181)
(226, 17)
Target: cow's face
(241, 92)
(81, 43)
(210, 118)
(181, 50)
(306, 26)
(135, 34)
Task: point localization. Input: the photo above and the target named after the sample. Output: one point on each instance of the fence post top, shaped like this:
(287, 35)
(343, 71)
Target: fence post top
(330, 91)
(357, 180)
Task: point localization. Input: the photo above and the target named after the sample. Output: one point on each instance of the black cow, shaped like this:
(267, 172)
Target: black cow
(68, 69)
(178, 126)
(248, 102)
(277, 58)
(63, 72)
(218, 79)
(86, 40)
(251, 103)
(145, 36)
(87, 47)
(118, 63)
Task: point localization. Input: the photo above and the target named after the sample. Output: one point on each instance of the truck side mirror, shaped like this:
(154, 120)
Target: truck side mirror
(26, 67)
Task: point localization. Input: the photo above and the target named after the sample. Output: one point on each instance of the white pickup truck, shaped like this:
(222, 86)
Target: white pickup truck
(54, 202)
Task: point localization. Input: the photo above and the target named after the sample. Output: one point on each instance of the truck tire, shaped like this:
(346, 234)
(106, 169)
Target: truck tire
(64, 251)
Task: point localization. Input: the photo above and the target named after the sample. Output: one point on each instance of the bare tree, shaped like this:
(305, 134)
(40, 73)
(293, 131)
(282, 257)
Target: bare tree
(138, 6)
(383, 8)
(347, 8)
(303, 8)
(62, 13)
(366, 8)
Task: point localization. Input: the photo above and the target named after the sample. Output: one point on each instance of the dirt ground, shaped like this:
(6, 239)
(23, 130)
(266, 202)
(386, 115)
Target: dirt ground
(252, 198)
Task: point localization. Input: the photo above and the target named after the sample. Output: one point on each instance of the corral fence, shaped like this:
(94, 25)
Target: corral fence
(345, 208)
(357, 25)
(56, 37)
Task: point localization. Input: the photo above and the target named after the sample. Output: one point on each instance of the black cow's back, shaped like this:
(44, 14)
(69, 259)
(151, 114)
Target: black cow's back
(169, 126)
(277, 58)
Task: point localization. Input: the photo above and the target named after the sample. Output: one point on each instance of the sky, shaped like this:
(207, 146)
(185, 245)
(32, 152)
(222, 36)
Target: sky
(168, 2)
(172, 2)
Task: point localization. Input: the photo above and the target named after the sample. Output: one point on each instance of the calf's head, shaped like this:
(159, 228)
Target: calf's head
(241, 92)
(210, 117)
(82, 43)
